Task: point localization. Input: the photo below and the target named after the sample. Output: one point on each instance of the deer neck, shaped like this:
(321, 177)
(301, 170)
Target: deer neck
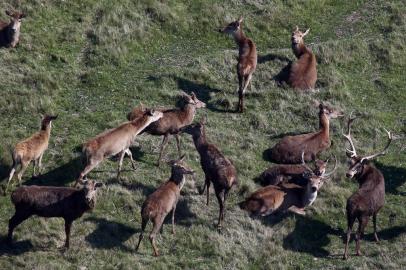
(200, 141)
(324, 124)
(46, 129)
(140, 123)
(240, 38)
(12, 37)
(299, 49)
(179, 179)
(308, 197)
(188, 113)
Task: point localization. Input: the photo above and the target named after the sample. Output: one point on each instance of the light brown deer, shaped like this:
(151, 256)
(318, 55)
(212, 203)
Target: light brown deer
(172, 121)
(116, 141)
(289, 149)
(158, 205)
(303, 73)
(10, 31)
(247, 58)
(286, 196)
(32, 149)
(370, 197)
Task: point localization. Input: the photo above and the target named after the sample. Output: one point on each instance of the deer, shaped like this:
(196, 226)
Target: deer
(116, 141)
(289, 149)
(48, 201)
(303, 72)
(10, 31)
(162, 201)
(171, 122)
(31, 149)
(217, 168)
(247, 58)
(287, 196)
(370, 196)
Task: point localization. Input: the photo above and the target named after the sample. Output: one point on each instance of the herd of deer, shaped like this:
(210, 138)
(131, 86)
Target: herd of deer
(290, 186)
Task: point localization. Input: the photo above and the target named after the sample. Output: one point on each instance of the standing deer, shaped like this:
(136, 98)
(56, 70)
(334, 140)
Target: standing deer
(370, 196)
(10, 31)
(171, 122)
(247, 58)
(116, 141)
(289, 149)
(158, 205)
(218, 169)
(32, 149)
(303, 73)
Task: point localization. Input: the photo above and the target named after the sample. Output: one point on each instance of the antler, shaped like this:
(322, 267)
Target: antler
(352, 152)
(304, 163)
(383, 152)
(324, 175)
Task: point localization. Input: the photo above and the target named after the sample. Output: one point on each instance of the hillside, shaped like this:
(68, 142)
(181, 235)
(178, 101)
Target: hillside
(91, 61)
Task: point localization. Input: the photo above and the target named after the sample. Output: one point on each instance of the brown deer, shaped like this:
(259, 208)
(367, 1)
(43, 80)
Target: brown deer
(10, 31)
(289, 149)
(218, 169)
(303, 73)
(247, 58)
(158, 205)
(116, 141)
(286, 196)
(32, 149)
(172, 121)
(370, 196)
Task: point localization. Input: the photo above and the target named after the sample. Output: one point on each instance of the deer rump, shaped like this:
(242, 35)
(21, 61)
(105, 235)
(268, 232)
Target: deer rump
(303, 73)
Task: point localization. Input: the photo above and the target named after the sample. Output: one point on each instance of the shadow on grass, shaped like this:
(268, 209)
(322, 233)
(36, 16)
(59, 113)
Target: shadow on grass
(283, 76)
(394, 178)
(272, 57)
(18, 248)
(183, 215)
(109, 234)
(146, 190)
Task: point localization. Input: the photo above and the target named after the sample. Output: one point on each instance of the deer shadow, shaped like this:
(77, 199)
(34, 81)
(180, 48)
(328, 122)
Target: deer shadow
(18, 247)
(183, 215)
(145, 189)
(271, 57)
(109, 234)
(282, 77)
(394, 178)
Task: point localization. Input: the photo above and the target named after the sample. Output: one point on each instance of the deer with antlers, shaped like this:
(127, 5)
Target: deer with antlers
(247, 58)
(370, 196)
(10, 31)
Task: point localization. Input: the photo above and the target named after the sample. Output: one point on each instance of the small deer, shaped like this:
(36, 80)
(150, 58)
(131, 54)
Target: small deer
(218, 169)
(289, 149)
(172, 121)
(286, 196)
(65, 202)
(303, 73)
(158, 205)
(32, 149)
(370, 197)
(247, 58)
(116, 141)
(10, 31)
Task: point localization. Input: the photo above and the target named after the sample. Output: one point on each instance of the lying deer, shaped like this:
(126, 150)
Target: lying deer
(286, 196)
(218, 169)
(289, 149)
(116, 141)
(303, 73)
(158, 205)
(370, 196)
(247, 58)
(10, 31)
(32, 149)
(172, 121)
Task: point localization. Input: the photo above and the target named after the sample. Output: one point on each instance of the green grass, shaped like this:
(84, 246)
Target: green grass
(92, 61)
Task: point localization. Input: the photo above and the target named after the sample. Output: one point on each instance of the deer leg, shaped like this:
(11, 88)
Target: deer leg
(241, 93)
(349, 231)
(163, 144)
(220, 197)
(240, 88)
(130, 155)
(375, 228)
(68, 225)
(173, 219)
(16, 220)
(207, 191)
(157, 225)
(120, 163)
(87, 169)
(34, 163)
(40, 164)
(360, 233)
(178, 144)
(24, 165)
(11, 175)
(143, 225)
(224, 202)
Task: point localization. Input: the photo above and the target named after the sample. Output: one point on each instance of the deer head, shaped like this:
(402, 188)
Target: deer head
(90, 187)
(316, 180)
(329, 112)
(15, 20)
(297, 36)
(179, 169)
(357, 162)
(153, 114)
(195, 129)
(192, 99)
(47, 120)
(232, 28)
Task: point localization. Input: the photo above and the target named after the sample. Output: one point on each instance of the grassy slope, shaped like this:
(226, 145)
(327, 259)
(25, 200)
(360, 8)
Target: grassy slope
(91, 61)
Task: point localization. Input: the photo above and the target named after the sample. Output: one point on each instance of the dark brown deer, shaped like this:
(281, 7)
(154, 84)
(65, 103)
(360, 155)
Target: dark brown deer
(65, 202)
(247, 58)
(172, 121)
(218, 169)
(10, 31)
(289, 149)
(158, 205)
(370, 197)
(303, 73)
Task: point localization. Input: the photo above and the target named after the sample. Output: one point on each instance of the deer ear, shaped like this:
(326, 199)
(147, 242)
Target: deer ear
(142, 107)
(204, 120)
(240, 19)
(182, 158)
(8, 13)
(98, 184)
(193, 95)
(297, 28)
(23, 15)
(307, 32)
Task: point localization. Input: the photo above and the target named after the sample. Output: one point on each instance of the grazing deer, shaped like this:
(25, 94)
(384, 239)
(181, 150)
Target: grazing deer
(10, 31)
(65, 202)
(370, 197)
(218, 169)
(116, 141)
(286, 196)
(289, 149)
(158, 205)
(303, 73)
(247, 58)
(32, 149)
(172, 121)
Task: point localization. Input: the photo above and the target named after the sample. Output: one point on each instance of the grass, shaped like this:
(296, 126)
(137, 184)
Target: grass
(92, 61)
